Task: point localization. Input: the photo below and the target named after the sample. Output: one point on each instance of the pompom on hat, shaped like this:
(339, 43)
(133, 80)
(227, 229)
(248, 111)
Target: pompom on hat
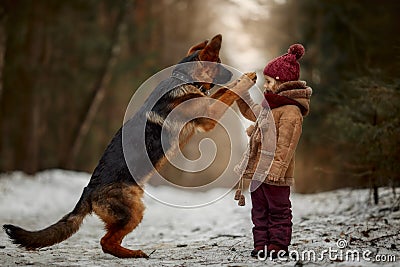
(286, 68)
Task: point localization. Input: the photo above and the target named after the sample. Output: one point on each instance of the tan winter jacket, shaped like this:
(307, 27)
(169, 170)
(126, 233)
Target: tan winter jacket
(263, 161)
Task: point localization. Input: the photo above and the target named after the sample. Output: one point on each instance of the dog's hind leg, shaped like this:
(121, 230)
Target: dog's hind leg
(111, 242)
(121, 209)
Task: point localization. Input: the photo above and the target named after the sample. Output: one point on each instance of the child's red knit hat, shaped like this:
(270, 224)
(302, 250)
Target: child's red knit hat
(286, 68)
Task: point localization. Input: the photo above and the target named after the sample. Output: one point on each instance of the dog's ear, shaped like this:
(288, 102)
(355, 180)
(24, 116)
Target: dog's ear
(197, 47)
(211, 51)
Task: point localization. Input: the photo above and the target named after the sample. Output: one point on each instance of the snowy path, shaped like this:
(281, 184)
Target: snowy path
(217, 234)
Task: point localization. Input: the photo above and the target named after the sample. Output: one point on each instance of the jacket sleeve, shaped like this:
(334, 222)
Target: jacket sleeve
(288, 134)
(248, 108)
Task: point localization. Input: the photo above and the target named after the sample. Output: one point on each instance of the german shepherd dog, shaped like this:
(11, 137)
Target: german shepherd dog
(113, 193)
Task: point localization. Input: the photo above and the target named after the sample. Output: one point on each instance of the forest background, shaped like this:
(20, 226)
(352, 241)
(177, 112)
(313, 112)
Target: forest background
(69, 68)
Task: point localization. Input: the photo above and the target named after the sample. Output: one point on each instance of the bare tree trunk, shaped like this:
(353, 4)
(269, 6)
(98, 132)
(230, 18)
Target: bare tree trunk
(3, 40)
(99, 89)
(32, 150)
(2, 47)
(374, 178)
(32, 109)
(376, 194)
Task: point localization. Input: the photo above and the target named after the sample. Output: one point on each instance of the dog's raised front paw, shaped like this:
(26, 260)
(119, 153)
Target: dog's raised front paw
(252, 76)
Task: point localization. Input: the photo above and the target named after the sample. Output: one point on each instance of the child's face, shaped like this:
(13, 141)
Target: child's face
(269, 84)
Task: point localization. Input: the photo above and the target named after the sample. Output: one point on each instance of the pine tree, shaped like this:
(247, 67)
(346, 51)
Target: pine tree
(367, 132)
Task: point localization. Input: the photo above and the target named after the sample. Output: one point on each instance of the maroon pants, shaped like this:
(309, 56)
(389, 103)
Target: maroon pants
(271, 216)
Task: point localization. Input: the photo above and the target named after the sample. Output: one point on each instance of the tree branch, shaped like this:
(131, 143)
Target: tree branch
(99, 89)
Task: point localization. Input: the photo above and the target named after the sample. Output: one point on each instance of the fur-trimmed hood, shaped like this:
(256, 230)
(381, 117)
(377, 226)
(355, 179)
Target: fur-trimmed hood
(299, 91)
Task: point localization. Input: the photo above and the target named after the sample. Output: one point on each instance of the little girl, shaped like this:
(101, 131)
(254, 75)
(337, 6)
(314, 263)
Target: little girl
(289, 100)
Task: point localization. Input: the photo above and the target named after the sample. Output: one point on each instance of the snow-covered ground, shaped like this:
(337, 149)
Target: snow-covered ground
(216, 234)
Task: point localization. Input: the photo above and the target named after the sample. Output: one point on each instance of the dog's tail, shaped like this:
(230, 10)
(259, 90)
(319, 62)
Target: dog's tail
(55, 233)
